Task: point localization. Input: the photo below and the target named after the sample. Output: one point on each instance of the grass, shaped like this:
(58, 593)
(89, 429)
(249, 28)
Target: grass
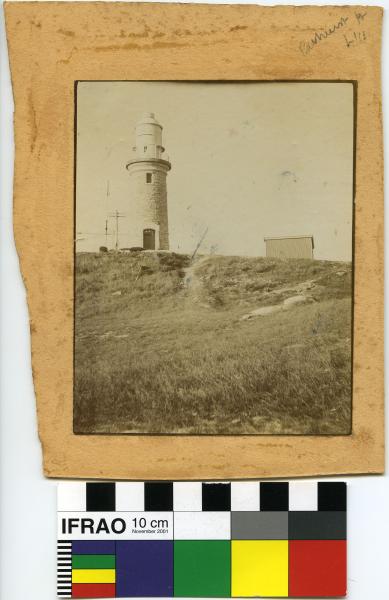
(155, 355)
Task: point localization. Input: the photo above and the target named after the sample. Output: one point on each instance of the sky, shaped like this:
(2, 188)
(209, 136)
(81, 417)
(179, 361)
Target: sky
(249, 160)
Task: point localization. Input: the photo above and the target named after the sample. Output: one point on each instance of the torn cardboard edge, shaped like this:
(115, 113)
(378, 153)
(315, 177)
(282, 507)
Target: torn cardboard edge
(51, 45)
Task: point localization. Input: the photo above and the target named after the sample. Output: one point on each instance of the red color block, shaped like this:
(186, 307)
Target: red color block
(93, 590)
(317, 568)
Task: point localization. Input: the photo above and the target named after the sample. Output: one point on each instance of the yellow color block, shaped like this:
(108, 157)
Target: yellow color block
(93, 576)
(259, 568)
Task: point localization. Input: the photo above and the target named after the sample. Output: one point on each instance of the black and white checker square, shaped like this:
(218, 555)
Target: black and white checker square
(202, 496)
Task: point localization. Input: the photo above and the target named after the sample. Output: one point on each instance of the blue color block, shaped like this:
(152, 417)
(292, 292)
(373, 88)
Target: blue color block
(93, 547)
(144, 568)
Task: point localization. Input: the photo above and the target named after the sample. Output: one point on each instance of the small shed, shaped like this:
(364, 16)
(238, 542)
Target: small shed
(294, 246)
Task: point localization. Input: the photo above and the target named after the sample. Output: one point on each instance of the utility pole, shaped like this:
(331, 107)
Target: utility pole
(106, 232)
(106, 220)
(107, 196)
(117, 215)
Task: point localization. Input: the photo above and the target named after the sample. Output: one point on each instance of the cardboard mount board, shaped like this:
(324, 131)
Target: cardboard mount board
(52, 45)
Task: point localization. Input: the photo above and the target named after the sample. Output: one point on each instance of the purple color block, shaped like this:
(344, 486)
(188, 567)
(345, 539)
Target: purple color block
(144, 568)
(93, 547)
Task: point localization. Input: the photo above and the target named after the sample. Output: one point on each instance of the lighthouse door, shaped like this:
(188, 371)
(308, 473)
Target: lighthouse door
(149, 239)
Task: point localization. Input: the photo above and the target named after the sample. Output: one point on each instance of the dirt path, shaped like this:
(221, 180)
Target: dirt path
(192, 282)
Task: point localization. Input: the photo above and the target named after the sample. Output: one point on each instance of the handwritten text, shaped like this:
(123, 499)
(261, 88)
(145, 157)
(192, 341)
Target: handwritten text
(308, 45)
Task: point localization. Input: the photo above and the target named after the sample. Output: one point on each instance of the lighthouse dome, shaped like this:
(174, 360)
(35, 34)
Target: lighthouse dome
(148, 118)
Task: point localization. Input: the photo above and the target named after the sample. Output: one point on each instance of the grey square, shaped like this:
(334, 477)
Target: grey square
(257, 525)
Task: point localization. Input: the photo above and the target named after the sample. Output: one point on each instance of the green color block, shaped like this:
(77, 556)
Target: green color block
(93, 561)
(202, 568)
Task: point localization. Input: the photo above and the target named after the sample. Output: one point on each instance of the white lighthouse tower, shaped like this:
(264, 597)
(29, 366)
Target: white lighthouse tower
(148, 170)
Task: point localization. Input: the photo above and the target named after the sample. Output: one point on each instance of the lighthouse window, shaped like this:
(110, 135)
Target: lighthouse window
(149, 177)
(144, 148)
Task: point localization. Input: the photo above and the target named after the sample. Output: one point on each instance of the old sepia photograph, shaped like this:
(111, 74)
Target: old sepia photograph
(213, 273)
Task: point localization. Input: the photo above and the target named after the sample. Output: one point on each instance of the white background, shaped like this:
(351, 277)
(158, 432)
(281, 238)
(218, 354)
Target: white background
(28, 505)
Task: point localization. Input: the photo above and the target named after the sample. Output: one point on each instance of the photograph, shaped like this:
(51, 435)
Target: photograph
(213, 257)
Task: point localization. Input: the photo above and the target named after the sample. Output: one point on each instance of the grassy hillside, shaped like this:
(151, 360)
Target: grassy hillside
(161, 346)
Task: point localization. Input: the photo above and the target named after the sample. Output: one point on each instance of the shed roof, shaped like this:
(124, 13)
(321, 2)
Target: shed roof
(290, 237)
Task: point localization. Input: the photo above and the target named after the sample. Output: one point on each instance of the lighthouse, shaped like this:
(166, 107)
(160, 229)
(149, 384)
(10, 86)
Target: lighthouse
(148, 193)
